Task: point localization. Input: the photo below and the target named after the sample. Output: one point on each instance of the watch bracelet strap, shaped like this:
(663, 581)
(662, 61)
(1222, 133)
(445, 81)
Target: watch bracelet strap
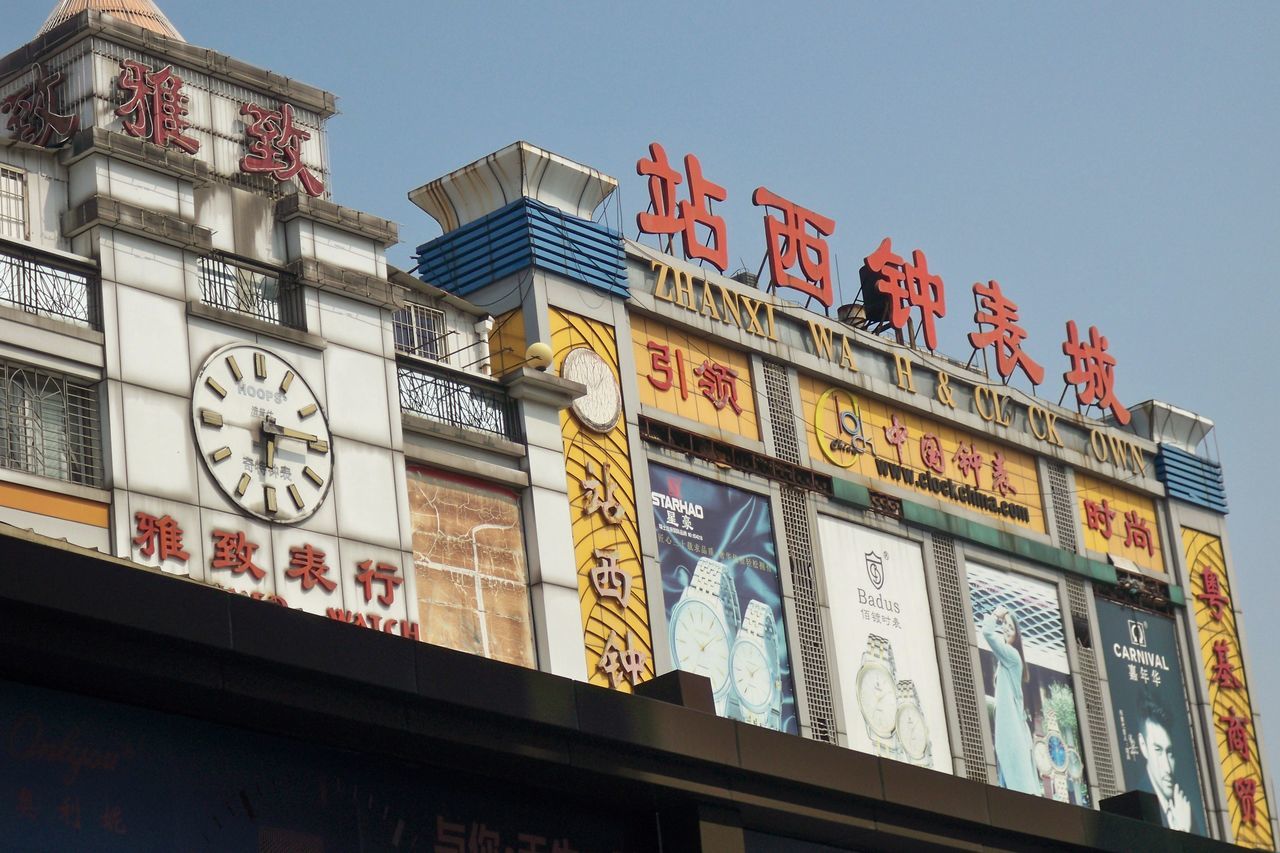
(879, 648)
(712, 580)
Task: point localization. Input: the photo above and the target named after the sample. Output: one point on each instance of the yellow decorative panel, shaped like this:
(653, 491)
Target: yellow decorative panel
(1211, 600)
(694, 378)
(606, 536)
(872, 438)
(506, 343)
(1119, 522)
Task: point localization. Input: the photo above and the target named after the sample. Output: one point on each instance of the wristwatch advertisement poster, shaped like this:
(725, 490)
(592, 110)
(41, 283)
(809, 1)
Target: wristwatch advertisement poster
(1026, 684)
(722, 595)
(890, 690)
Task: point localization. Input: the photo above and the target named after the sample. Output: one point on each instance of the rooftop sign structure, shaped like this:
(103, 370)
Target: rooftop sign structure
(893, 288)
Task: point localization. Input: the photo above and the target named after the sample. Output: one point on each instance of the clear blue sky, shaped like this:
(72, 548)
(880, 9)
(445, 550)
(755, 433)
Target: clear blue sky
(1111, 163)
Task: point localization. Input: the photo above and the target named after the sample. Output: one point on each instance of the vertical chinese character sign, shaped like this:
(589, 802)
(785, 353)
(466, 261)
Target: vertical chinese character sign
(1237, 742)
(602, 506)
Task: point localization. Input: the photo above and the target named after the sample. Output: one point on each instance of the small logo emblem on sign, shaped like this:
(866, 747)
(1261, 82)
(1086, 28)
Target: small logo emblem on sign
(1138, 633)
(837, 422)
(875, 569)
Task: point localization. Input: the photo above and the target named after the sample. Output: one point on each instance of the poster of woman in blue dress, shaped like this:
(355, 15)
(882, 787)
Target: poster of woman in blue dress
(1026, 684)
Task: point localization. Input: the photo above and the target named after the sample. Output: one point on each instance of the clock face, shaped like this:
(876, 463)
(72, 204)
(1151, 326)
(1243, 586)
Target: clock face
(913, 733)
(602, 406)
(752, 676)
(262, 434)
(700, 644)
(878, 698)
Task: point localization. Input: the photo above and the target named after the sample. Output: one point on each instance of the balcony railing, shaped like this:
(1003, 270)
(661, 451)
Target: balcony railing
(32, 284)
(446, 397)
(256, 292)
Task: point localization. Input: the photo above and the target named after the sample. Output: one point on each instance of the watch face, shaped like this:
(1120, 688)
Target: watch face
(601, 407)
(1057, 752)
(1074, 765)
(700, 643)
(878, 699)
(913, 732)
(262, 434)
(752, 676)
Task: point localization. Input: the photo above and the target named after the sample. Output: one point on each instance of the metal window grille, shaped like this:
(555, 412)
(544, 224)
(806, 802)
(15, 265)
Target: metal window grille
(27, 283)
(49, 425)
(785, 442)
(1099, 735)
(421, 331)
(813, 646)
(453, 400)
(795, 526)
(13, 203)
(253, 292)
(956, 630)
(1060, 498)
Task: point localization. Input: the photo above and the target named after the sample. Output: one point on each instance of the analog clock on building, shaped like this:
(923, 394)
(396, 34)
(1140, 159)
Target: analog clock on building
(262, 434)
(601, 408)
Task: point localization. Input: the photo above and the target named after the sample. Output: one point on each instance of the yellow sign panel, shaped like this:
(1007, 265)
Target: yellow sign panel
(871, 438)
(1228, 691)
(602, 503)
(1119, 522)
(694, 378)
(506, 343)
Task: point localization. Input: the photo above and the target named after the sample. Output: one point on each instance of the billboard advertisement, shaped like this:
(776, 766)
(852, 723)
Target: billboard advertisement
(1150, 708)
(1026, 683)
(884, 641)
(723, 597)
(879, 440)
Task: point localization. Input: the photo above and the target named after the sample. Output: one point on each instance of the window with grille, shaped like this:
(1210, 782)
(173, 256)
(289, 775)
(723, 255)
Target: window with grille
(49, 425)
(13, 203)
(253, 291)
(421, 331)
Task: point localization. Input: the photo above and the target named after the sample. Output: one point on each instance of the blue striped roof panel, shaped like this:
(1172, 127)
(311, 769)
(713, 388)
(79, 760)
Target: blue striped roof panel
(525, 233)
(1192, 479)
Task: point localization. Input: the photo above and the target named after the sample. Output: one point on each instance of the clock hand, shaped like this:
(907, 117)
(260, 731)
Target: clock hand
(268, 443)
(293, 433)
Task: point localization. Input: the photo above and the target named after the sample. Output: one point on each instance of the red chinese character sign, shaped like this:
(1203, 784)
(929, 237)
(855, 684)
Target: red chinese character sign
(275, 147)
(1092, 371)
(668, 217)
(796, 244)
(901, 287)
(33, 115)
(998, 311)
(155, 108)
